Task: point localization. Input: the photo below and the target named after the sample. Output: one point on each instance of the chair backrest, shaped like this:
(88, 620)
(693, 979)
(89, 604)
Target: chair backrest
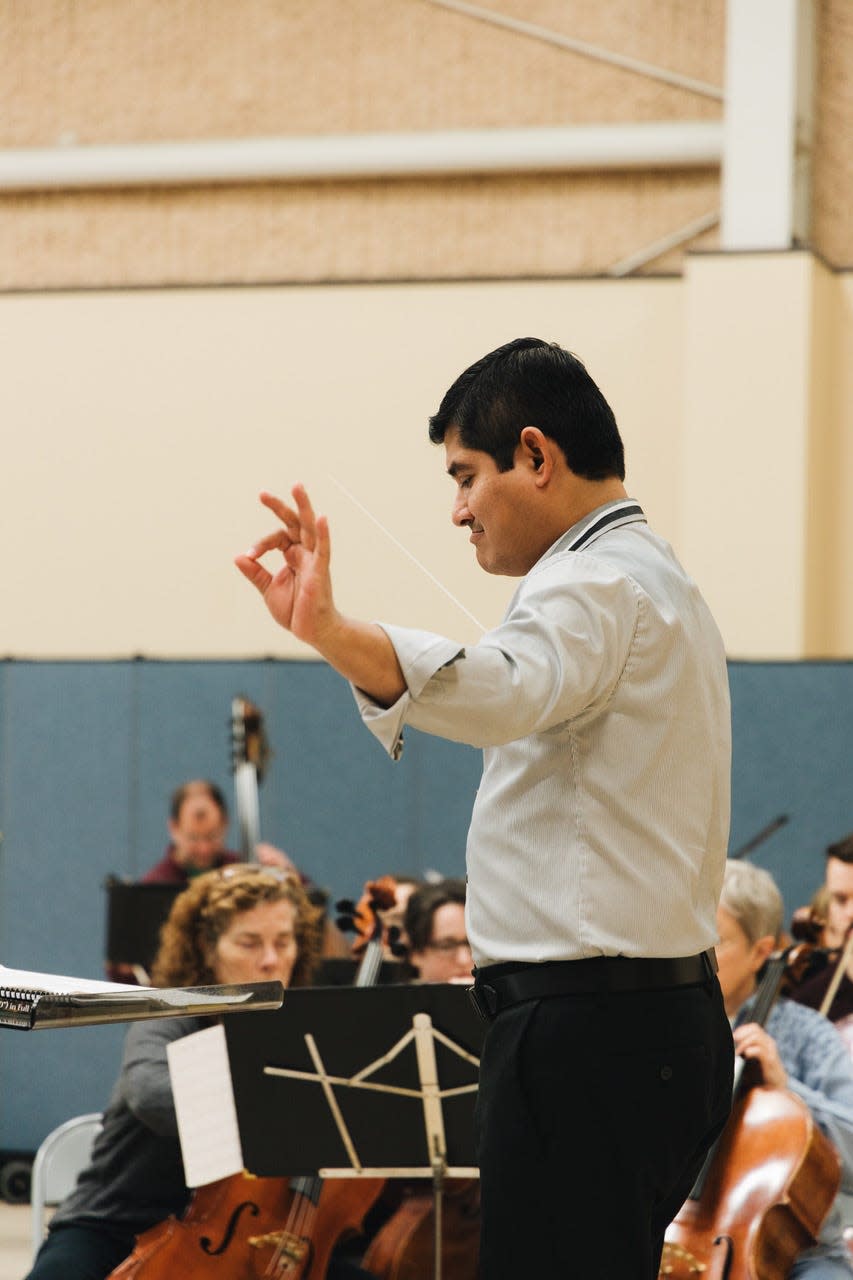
(60, 1158)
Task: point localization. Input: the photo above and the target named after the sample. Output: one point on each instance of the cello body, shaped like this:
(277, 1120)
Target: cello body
(247, 1228)
(404, 1248)
(772, 1182)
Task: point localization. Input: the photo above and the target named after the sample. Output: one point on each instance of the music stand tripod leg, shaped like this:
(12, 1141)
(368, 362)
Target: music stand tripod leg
(434, 1123)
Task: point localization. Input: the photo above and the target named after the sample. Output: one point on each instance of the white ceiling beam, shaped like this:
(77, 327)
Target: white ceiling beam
(358, 156)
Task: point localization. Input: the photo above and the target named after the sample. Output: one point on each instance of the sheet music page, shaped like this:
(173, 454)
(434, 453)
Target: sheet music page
(57, 983)
(204, 1103)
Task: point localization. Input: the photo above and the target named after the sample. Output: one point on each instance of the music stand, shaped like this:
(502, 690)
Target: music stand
(135, 914)
(373, 1082)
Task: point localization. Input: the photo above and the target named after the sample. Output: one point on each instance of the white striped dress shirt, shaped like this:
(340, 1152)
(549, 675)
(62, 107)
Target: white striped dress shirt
(601, 703)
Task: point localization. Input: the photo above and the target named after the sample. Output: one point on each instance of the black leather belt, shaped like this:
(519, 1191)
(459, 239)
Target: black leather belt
(498, 986)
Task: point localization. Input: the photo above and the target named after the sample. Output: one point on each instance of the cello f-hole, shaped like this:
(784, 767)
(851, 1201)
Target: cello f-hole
(206, 1243)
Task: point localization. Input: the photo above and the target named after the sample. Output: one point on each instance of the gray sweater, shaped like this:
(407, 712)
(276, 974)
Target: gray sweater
(136, 1176)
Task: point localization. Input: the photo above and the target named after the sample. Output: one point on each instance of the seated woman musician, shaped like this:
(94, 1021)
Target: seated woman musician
(434, 925)
(796, 1049)
(241, 923)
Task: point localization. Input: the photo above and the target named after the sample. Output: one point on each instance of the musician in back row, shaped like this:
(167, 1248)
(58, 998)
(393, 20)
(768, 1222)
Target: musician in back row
(435, 927)
(837, 897)
(198, 826)
(797, 1049)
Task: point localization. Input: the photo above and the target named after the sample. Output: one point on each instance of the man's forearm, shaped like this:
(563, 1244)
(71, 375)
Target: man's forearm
(362, 653)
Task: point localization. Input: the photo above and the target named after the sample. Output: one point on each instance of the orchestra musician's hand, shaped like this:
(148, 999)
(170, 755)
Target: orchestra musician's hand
(753, 1043)
(299, 597)
(269, 856)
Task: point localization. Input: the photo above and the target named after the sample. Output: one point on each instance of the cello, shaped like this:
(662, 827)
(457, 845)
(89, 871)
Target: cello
(767, 1184)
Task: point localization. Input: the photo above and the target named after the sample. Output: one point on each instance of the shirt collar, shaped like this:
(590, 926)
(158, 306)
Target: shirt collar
(612, 515)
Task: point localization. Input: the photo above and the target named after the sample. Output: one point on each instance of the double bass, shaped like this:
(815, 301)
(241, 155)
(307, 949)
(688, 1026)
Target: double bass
(767, 1184)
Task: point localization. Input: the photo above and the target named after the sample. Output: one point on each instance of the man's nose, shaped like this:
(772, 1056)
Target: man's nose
(460, 514)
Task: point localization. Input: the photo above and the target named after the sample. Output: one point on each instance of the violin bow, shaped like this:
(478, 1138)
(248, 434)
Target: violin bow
(840, 970)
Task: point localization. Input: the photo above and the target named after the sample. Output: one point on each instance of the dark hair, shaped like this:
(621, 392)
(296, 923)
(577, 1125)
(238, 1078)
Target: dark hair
(842, 849)
(202, 912)
(197, 786)
(529, 382)
(422, 906)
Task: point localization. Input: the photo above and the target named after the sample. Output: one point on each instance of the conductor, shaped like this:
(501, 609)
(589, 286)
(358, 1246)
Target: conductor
(598, 836)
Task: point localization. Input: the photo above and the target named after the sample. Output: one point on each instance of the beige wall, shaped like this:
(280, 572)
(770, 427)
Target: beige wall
(139, 427)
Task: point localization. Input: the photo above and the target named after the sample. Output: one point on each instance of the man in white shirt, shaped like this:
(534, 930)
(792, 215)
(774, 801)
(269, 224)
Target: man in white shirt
(598, 838)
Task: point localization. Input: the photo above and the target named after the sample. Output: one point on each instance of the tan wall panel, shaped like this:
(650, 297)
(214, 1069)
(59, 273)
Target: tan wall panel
(119, 71)
(766, 449)
(471, 228)
(140, 428)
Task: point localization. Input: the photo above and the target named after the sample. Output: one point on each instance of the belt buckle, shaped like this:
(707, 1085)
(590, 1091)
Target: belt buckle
(484, 999)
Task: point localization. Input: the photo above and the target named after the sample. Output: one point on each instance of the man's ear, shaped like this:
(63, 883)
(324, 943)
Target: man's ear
(537, 453)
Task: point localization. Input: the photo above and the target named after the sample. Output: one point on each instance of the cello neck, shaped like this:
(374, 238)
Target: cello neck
(768, 990)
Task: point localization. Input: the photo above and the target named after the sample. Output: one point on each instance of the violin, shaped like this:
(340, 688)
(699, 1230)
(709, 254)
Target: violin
(767, 1184)
(365, 918)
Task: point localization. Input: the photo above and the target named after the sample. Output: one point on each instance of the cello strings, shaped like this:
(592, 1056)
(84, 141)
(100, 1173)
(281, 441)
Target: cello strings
(298, 1223)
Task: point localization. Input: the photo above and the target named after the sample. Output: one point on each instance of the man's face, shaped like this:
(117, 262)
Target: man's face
(447, 955)
(198, 835)
(493, 505)
(839, 886)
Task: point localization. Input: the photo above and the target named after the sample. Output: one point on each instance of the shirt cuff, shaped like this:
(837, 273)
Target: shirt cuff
(420, 654)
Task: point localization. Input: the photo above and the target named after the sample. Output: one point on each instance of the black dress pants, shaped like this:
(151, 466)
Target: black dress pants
(594, 1114)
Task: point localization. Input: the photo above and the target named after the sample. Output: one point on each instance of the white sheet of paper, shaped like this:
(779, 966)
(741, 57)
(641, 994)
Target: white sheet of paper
(204, 1103)
(58, 983)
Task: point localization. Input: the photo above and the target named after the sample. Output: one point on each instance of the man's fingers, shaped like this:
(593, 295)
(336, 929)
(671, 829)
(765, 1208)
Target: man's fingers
(307, 521)
(324, 545)
(278, 540)
(256, 573)
(286, 514)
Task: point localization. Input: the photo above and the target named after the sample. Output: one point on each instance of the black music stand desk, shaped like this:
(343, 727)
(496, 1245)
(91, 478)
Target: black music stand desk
(359, 1081)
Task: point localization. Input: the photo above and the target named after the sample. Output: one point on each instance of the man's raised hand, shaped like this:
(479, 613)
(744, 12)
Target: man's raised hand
(299, 594)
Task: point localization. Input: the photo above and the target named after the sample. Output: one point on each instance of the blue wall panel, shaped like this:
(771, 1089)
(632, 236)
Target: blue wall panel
(792, 729)
(89, 753)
